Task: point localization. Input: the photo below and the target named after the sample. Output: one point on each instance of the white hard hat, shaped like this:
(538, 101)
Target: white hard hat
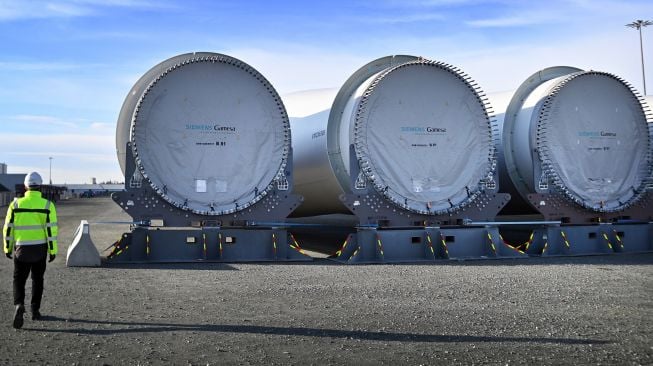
(33, 179)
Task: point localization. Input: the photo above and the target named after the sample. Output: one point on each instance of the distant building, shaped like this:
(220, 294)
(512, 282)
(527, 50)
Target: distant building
(92, 190)
(12, 185)
(48, 191)
(8, 183)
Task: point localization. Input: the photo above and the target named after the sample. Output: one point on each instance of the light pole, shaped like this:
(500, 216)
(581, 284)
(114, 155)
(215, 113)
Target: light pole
(50, 170)
(639, 24)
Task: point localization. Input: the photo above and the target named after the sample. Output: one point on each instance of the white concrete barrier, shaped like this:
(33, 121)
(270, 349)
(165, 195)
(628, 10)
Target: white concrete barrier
(82, 251)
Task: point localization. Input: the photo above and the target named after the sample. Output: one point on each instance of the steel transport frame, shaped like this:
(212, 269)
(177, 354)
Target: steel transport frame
(388, 235)
(165, 233)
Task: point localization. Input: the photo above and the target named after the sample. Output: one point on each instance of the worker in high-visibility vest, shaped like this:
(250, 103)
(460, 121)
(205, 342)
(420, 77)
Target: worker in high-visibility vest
(30, 232)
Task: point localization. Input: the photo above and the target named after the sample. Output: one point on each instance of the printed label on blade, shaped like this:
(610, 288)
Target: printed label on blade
(421, 136)
(598, 140)
(211, 134)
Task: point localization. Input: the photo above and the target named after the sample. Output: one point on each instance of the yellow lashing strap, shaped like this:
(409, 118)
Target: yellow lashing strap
(607, 240)
(444, 244)
(117, 250)
(564, 237)
(529, 241)
(378, 241)
(295, 245)
(353, 255)
(616, 235)
(430, 243)
(204, 243)
(510, 245)
(489, 236)
(220, 243)
(344, 245)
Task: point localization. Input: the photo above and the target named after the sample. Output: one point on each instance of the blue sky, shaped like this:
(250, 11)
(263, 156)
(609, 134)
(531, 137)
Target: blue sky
(66, 66)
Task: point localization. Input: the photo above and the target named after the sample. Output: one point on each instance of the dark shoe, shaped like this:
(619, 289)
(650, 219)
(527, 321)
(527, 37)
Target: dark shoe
(18, 316)
(36, 315)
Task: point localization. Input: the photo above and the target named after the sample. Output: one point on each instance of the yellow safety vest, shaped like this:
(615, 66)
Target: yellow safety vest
(31, 220)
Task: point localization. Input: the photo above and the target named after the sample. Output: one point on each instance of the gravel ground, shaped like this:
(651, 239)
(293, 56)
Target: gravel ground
(583, 310)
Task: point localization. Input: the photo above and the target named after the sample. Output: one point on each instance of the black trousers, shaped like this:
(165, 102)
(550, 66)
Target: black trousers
(21, 272)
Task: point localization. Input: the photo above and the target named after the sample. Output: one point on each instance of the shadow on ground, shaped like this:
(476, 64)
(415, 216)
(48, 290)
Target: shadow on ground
(200, 266)
(623, 259)
(142, 327)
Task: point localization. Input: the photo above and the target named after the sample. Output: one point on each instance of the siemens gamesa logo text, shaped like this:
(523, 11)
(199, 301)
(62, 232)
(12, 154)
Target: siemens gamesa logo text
(208, 127)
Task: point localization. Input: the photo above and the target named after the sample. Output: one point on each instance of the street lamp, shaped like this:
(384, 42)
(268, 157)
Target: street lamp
(639, 24)
(50, 170)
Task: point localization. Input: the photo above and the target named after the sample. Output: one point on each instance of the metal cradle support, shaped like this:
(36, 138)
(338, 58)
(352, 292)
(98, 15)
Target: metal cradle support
(149, 245)
(429, 244)
(591, 239)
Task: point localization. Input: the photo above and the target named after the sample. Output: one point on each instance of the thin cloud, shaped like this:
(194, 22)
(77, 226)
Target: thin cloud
(69, 91)
(122, 3)
(77, 124)
(40, 9)
(517, 14)
(70, 170)
(513, 21)
(19, 143)
(18, 10)
(75, 156)
(287, 69)
(111, 35)
(85, 157)
(408, 18)
(43, 120)
(66, 9)
(429, 3)
(101, 126)
(42, 66)
(519, 17)
(19, 139)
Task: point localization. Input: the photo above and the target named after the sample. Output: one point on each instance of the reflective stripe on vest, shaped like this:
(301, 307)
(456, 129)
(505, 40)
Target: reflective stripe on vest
(30, 242)
(47, 220)
(26, 227)
(31, 227)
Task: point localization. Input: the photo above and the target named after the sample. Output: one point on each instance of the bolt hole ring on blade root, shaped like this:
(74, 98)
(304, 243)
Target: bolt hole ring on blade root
(583, 134)
(210, 134)
(424, 137)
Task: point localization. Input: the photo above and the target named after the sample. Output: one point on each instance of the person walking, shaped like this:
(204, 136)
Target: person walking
(30, 231)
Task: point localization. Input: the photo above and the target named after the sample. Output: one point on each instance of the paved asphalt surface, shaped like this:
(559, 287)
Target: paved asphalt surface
(595, 310)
